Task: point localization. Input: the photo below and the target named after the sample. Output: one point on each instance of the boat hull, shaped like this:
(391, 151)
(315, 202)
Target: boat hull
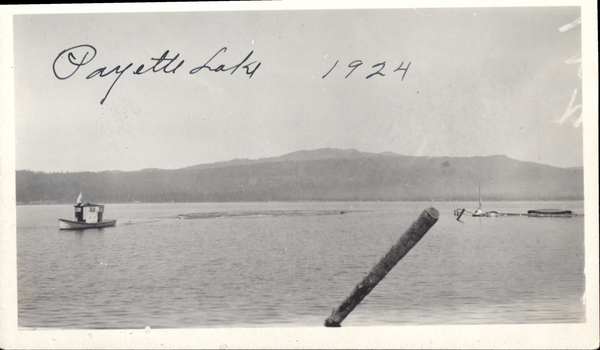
(74, 225)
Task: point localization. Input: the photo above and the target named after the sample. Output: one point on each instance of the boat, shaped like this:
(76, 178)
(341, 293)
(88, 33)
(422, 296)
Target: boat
(87, 215)
(74, 225)
(479, 212)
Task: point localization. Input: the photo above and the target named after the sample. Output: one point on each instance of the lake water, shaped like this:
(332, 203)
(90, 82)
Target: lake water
(156, 270)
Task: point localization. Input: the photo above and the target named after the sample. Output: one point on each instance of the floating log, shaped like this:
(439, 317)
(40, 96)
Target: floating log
(408, 240)
(264, 213)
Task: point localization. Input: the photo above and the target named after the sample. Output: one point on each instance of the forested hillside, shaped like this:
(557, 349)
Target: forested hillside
(321, 175)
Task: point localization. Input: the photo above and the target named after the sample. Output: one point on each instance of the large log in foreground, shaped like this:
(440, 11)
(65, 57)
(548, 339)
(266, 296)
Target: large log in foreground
(408, 240)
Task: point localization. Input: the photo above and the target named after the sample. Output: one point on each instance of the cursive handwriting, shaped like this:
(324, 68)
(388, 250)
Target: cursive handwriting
(222, 68)
(69, 61)
(357, 63)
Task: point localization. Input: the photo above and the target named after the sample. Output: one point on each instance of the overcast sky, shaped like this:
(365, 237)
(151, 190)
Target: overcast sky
(481, 81)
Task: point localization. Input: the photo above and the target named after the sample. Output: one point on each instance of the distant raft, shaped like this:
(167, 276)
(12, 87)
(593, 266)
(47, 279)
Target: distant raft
(549, 212)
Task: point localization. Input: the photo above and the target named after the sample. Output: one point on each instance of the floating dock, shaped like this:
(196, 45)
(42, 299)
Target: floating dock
(560, 213)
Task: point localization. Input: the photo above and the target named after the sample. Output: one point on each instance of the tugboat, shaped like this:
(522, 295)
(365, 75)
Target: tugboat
(87, 215)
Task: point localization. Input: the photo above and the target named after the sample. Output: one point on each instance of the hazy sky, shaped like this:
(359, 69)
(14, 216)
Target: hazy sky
(481, 81)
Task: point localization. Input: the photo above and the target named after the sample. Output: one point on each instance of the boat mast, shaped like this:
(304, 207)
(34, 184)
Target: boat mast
(479, 210)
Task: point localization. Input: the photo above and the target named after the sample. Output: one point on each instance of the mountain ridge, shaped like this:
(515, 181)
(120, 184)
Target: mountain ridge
(332, 153)
(302, 155)
(322, 175)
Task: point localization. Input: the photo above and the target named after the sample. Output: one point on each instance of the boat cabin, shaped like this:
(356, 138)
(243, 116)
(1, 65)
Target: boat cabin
(88, 213)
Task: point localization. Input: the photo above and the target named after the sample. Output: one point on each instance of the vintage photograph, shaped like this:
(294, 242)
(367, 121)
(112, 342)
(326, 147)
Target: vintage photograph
(246, 169)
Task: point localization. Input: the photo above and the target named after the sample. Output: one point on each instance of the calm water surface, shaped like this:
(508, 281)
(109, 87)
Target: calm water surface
(155, 270)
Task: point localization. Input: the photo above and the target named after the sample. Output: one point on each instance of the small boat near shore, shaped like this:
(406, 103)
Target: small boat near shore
(479, 211)
(88, 215)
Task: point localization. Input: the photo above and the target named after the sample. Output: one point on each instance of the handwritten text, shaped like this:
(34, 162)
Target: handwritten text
(69, 61)
(378, 67)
